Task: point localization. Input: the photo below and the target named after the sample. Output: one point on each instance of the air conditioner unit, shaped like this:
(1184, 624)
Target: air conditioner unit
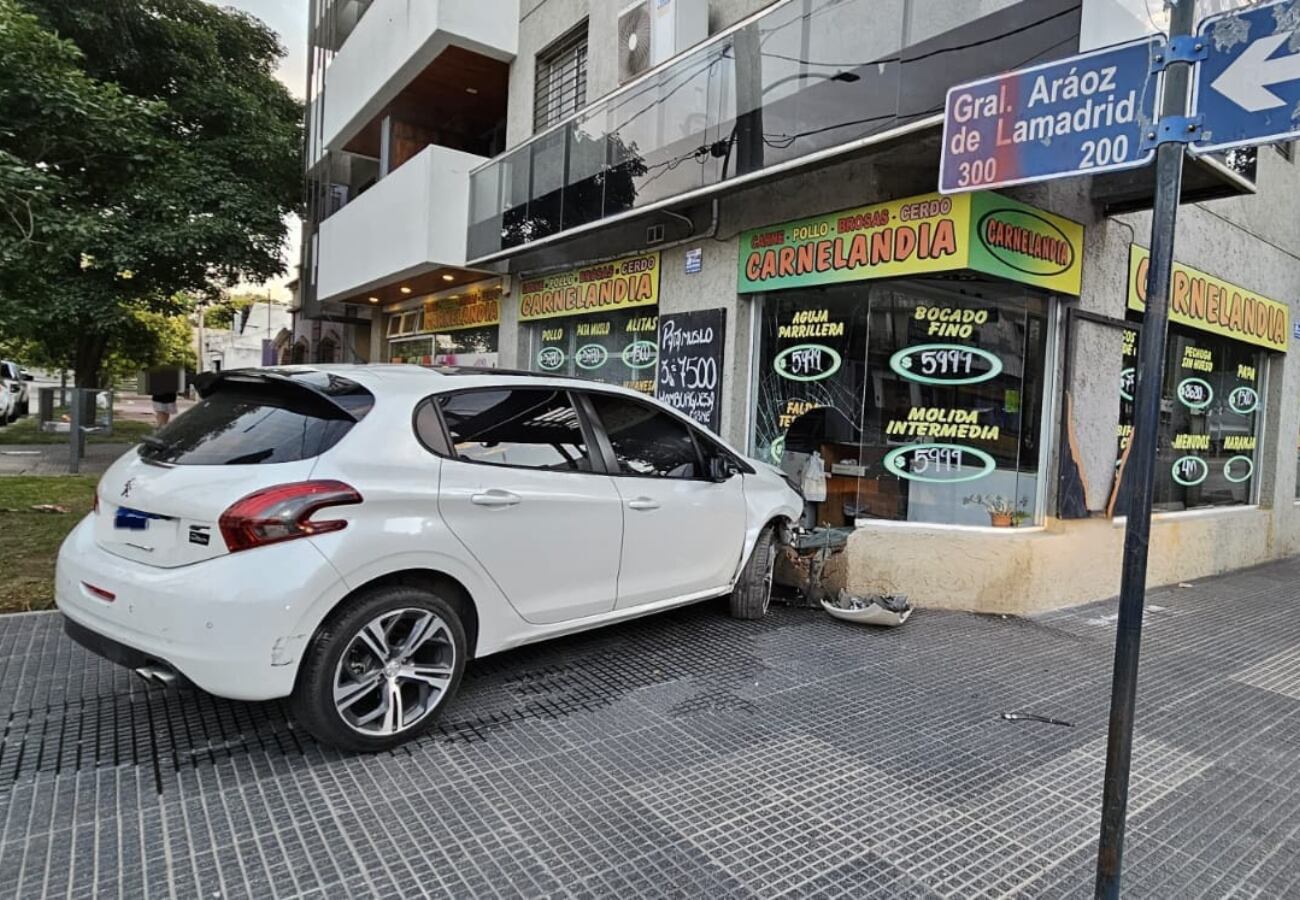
(652, 31)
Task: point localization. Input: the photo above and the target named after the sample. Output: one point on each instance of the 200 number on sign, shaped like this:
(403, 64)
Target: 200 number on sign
(1105, 152)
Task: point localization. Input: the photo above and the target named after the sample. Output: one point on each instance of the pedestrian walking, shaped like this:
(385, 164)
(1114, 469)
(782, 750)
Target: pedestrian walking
(164, 407)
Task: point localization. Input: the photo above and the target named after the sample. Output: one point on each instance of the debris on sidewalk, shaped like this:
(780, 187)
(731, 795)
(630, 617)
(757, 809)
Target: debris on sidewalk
(1034, 717)
(888, 610)
(806, 559)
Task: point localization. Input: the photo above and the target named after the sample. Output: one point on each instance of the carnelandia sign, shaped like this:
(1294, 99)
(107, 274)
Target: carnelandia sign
(984, 232)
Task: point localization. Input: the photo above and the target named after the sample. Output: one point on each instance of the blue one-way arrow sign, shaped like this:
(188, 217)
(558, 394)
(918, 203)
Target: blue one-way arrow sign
(1248, 89)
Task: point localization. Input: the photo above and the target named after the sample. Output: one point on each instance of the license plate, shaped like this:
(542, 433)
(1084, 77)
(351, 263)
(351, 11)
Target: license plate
(133, 519)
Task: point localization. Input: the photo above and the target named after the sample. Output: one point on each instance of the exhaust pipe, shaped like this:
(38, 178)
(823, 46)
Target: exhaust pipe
(156, 672)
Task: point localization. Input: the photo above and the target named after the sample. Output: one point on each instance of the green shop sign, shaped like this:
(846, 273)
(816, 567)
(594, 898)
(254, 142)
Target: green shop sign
(983, 232)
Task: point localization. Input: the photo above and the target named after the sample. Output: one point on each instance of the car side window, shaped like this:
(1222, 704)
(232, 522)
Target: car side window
(647, 441)
(531, 428)
(428, 428)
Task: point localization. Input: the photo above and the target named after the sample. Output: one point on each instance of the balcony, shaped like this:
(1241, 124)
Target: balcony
(406, 226)
(802, 82)
(394, 42)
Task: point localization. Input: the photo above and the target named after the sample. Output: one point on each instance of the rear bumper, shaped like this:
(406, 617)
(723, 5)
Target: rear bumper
(109, 649)
(234, 625)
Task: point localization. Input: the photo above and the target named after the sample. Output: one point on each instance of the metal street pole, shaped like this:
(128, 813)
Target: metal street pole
(203, 309)
(1141, 468)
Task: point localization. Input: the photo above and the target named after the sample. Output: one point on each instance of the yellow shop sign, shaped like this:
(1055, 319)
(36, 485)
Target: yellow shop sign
(1211, 304)
(477, 308)
(983, 232)
(618, 284)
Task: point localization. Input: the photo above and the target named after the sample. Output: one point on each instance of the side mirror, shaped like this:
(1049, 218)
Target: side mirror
(722, 468)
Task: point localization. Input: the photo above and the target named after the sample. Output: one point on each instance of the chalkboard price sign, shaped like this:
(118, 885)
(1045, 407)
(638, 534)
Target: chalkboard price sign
(690, 364)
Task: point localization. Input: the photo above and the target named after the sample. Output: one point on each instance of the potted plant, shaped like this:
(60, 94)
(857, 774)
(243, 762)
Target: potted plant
(1004, 512)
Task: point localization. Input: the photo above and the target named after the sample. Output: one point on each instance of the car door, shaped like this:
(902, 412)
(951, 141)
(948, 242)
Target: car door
(683, 532)
(521, 493)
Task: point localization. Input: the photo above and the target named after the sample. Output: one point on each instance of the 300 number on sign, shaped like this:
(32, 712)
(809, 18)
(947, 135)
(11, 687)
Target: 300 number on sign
(977, 172)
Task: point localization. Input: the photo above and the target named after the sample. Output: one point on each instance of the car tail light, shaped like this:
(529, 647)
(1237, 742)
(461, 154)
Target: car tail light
(283, 513)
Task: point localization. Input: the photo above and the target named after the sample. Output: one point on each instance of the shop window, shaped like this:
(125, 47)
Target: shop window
(526, 427)
(647, 441)
(619, 347)
(468, 347)
(561, 80)
(910, 400)
(409, 322)
(1210, 412)
(412, 350)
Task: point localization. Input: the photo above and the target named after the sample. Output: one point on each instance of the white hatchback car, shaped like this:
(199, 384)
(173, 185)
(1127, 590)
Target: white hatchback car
(349, 536)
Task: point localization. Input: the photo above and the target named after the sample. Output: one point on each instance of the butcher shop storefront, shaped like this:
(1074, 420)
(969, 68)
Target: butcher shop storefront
(903, 356)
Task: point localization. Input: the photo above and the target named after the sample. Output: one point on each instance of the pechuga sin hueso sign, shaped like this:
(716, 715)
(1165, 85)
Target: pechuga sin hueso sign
(984, 232)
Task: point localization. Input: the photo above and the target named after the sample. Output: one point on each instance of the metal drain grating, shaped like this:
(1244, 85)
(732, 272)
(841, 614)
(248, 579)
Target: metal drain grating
(89, 725)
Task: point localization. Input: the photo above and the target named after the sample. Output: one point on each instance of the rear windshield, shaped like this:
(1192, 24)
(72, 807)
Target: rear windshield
(245, 423)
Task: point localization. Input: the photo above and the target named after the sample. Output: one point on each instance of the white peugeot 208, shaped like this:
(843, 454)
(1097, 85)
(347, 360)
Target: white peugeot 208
(349, 536)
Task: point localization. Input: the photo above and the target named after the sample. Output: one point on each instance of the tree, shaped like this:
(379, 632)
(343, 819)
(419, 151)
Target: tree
(225, 312)
(146, 150)
(158, 340)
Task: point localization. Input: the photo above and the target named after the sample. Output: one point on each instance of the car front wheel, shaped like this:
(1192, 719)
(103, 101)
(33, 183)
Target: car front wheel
(377, 674)
(753, 590)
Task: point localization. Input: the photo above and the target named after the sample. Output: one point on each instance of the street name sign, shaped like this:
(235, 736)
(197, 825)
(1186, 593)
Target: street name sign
(1247, 90)
(1079, 116)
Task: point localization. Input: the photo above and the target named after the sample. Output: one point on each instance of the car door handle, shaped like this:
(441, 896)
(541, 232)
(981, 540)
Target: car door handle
(645, 503)
(495, 498)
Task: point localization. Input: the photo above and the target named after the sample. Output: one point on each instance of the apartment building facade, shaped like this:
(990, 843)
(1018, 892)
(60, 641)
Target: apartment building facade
(730, 204)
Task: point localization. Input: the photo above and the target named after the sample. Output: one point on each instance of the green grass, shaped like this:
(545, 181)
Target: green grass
(25, 431)
(29, 540)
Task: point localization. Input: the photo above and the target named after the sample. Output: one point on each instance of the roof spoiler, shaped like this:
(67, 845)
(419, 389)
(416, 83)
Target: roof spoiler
(208, 383)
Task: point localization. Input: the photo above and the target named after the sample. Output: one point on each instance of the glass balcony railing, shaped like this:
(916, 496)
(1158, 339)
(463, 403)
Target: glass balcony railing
(808, 76)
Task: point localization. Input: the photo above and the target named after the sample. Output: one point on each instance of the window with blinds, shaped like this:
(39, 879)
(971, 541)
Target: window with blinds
(561, 79)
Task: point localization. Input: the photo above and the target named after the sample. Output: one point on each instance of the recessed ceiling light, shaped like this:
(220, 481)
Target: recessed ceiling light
(405, 290)
(449, 278)
(374, 299)
(471, 90)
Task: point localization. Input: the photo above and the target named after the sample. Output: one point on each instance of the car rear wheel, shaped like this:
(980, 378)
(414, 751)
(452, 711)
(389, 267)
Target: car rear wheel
(753, 590)
(377, 674)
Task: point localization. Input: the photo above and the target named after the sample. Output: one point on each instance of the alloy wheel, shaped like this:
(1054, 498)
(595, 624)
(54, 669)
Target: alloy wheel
(394, 672)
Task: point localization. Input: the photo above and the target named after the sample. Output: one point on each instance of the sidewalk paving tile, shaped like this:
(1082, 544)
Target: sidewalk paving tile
(689, 755)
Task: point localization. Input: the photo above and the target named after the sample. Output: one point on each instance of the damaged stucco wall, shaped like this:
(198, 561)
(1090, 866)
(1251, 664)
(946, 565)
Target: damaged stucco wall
(1024, 571)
